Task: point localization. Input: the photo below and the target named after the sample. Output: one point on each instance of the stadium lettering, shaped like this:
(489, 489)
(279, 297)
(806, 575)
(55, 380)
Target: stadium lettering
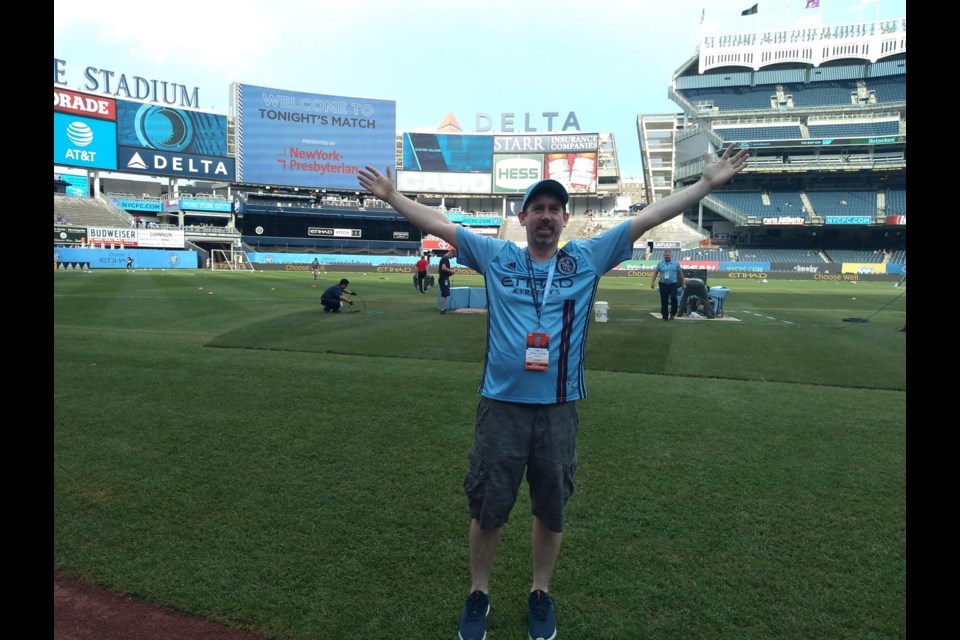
(85, 156)
(839, 276)
(176, 163)
(76, 102)
(485, 122)
(136, 87)
(117, 234)
(560, 144)
(540, 283)
(394, 269)
(318, 104)
(518, 173)
(316, 154)
(530, 143)
(296, 267)
(353, 122)
(316, 167)
(741, 275)
(309, 118)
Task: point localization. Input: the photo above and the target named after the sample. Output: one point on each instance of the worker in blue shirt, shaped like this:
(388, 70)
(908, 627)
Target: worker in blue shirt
(671, 278)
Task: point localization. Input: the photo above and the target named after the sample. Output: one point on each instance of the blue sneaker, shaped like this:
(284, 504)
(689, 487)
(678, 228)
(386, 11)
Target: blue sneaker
(541, 620)
(473, 620)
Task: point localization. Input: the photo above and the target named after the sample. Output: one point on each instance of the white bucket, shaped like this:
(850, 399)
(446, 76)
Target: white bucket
(600, 311)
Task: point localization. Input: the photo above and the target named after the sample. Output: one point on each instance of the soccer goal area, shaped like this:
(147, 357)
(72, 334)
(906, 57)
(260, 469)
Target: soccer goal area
(233, 260)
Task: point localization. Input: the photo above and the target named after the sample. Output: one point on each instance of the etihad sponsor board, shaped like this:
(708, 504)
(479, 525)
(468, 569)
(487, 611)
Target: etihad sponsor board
(324, 232)
(181, 165)
(117, 258)
(84, 142)
(84, 104)
(296, 139)
(437, 182)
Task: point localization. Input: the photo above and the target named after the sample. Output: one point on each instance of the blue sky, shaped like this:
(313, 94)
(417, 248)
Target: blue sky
(606, 61)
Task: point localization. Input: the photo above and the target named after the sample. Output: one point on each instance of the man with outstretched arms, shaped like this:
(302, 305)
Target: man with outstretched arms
(539, 299)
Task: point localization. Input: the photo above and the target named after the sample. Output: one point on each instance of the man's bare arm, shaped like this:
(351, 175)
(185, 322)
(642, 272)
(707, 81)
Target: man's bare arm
(425, 218)
(715, 174)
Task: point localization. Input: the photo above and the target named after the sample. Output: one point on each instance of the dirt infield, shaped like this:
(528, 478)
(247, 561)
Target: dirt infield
(82, 611)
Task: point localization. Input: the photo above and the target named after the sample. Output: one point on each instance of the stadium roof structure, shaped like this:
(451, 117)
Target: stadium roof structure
(870, 41)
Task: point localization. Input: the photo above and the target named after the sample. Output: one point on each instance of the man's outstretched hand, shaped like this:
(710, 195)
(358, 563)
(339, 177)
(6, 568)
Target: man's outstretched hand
(377, 183)
(726, 166)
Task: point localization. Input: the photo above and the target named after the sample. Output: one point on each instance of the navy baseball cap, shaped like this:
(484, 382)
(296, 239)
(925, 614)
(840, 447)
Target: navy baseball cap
(552, 186)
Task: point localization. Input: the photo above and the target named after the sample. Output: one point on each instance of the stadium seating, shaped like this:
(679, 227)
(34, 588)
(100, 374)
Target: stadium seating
(732, 98)
(889, 89)
(846, 202)
(749, 202)
(855, 129)
(703, 254)
(898, 256)
(821, 94)
(786, 203)
(847, 255)
(896, 202)
(89, 212)
(748, 253)
(778, 132)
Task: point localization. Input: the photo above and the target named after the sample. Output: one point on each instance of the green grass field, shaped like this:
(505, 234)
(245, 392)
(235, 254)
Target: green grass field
(223, 447)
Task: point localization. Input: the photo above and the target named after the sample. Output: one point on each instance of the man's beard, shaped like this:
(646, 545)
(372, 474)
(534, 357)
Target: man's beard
(545, 241)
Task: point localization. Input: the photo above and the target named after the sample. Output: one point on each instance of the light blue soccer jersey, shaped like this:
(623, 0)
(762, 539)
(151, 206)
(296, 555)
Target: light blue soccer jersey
(564, 313)
(669, 271)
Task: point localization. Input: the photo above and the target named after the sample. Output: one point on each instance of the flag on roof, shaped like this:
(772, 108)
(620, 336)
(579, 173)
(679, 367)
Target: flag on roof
(749, 12)
(813, 4)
